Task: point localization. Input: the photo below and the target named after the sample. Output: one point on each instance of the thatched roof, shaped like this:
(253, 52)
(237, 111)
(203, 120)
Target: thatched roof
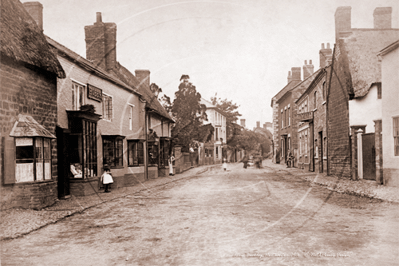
(362, 47)
(22, 40)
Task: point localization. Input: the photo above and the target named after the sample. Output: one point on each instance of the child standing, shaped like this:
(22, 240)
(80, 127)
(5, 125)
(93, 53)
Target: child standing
(106, 178)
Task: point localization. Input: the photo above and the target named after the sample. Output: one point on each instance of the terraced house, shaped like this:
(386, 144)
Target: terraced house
(106, 116)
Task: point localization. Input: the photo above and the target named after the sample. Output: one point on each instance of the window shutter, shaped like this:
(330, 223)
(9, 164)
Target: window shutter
(9, 160)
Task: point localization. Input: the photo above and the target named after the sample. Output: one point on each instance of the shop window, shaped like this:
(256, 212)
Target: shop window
(153, 153)
(135, 152)
(113, 151)
(164, 152)
(107, 107)
(33, 159)
(396, 135)
(78, 92)
(217, 153)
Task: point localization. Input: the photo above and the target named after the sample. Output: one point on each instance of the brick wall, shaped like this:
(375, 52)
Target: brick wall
(32, 92)
(339, 149)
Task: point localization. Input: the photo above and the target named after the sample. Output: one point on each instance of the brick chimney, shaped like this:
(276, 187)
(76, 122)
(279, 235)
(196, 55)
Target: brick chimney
(325, 55)
(101, 43)
(143, 76)
(296, 73)
(257, 124)
(35, 10)
(383, 18)
(307, 69)
(289, 78)
(242, 121)
(343, 23)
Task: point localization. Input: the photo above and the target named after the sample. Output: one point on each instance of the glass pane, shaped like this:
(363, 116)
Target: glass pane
(47, 170)
(24, 153)
(46, 149)
(39, 171)
(24, 172)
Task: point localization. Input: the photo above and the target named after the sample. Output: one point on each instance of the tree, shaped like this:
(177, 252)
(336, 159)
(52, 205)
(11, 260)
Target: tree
(229, 110)
(188, 113)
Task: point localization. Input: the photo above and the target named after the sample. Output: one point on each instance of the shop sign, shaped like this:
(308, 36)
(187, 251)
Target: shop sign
(94, 93)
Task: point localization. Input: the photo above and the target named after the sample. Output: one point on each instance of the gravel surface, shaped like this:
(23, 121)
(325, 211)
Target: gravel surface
(18, 222)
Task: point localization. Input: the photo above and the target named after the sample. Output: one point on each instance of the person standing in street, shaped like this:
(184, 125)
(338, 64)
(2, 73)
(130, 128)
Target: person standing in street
(106, 178)
(224, 164)
(245, 161)
(170, 163)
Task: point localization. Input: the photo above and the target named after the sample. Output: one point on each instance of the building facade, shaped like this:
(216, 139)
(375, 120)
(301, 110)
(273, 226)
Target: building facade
(28, 78)
(353, 100)
(389, 163)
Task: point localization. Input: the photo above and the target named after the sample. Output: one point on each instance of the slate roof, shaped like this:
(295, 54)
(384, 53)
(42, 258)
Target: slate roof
(144, 89)
(284, 90)
(301, 87)
(86, 64)
(362, 47)
(22, 40)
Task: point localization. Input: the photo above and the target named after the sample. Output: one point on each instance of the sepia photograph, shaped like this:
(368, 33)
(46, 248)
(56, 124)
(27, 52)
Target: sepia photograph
(199, 132)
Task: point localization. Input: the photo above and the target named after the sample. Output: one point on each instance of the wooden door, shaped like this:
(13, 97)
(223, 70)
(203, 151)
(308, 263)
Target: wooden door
(368, 143)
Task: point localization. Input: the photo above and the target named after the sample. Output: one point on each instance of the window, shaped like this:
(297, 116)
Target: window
(131, 117)
(77, 96)
(396, 135)
(135, 152)
(217, 153)
(324, 91)
(379, 92)
(315, 100)
(33, 159)
(107, 107)
(289, 116)
(216, 134)
(153, 153)
(164, 152)
(113, 151)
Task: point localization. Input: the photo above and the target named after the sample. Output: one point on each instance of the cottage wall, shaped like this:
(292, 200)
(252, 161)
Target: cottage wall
(365, 110)
(390, 109)
(25, 90)
(339, 146)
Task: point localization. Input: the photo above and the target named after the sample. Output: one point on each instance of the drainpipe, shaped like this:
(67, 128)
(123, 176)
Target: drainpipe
(146, 139)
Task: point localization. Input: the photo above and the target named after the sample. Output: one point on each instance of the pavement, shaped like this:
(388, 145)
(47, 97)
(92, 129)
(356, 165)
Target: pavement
(19, 222)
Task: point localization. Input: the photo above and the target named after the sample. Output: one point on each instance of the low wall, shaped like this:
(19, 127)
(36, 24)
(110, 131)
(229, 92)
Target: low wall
(29, 195)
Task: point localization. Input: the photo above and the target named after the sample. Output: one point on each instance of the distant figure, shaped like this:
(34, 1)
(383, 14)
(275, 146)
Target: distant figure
(170, 163)
(245, 161)
(290, 159)
(106, 178)
(224, 164)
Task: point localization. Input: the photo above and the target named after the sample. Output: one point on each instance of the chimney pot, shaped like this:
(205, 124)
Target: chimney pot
(322, 46)
(328, 45)
(382, 17)
(306, 62)
(257, 124)
(99, 18)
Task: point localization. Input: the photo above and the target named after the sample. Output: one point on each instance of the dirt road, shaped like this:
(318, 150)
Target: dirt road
(238, 217)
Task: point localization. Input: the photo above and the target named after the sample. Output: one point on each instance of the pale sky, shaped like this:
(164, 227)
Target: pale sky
(241, 50)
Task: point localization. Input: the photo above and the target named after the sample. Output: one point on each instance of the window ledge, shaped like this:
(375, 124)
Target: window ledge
(314, 110)
(34, 182)
(324, 103)
(116, 167)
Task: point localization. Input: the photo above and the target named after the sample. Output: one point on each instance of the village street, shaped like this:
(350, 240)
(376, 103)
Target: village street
(238, 217)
